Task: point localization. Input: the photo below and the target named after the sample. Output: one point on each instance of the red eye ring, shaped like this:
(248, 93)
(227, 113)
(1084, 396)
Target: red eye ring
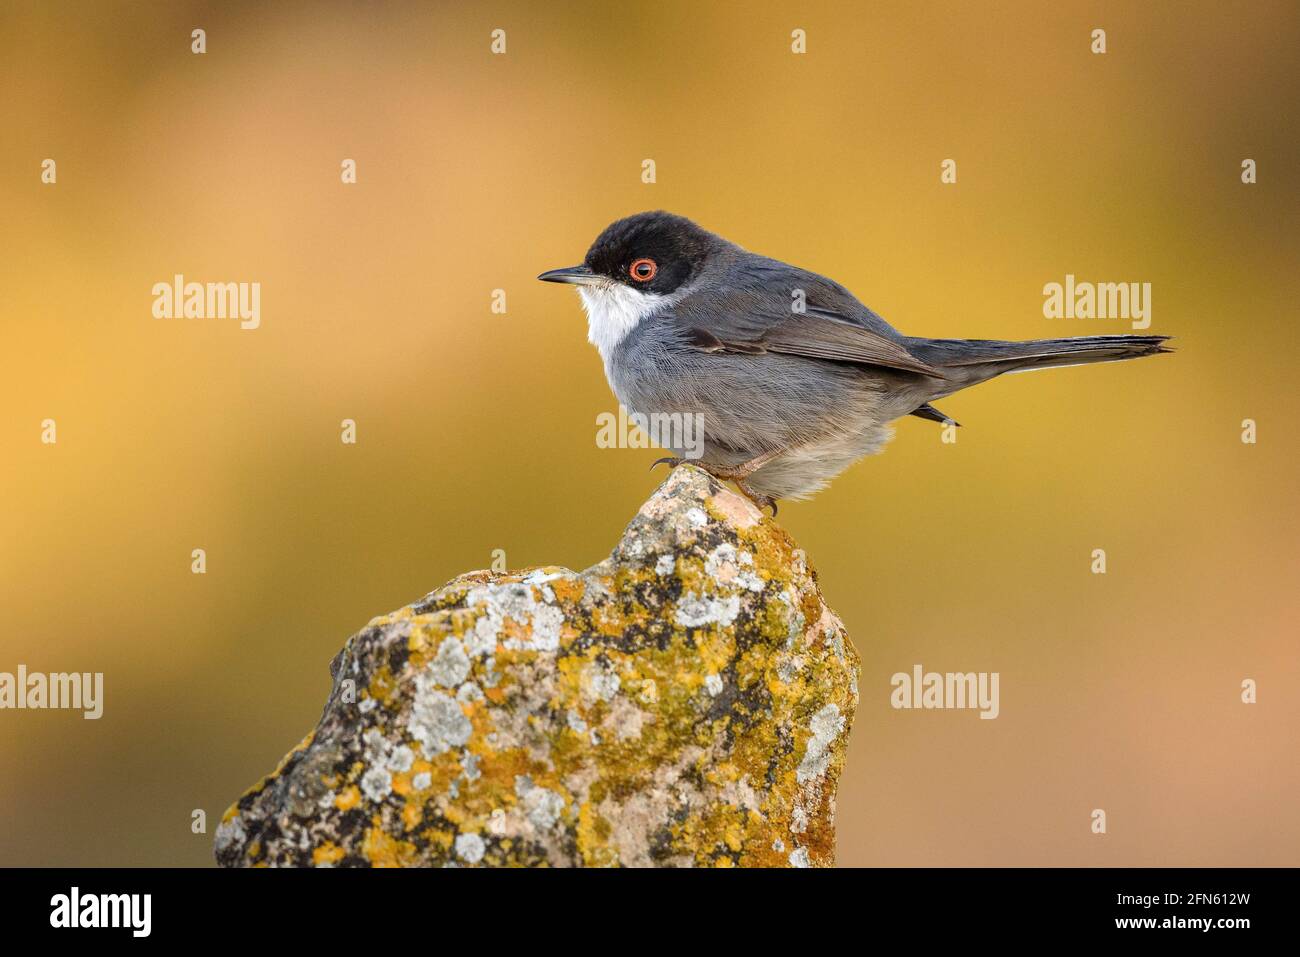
(642, 270)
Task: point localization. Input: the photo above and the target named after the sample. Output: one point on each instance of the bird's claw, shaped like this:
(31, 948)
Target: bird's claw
(671, 461)
(762, 501)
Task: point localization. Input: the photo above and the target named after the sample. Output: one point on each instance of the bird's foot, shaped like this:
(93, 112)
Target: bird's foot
(736, 474)
(720, 472)
(671, 461)
(723, 473)
(727, 473)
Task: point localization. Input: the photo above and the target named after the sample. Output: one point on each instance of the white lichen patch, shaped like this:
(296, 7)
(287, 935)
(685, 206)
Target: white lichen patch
(799, 857)
(665, 565)
(377, 784)
(825, 726)
(713, 685)
(541, 805)
(731, 566)
(694, 611)
(400, 759)
(539, 622)
(545, 632)
(382, 754)
(451, 665)
(540, 576)
(604, 684)
(470, 765)
(789, 668)
(720, 564)
(742, 794)
(575, 722)
(796, 620)
(436, 720)
(230, 833)
(470, 848)
(748, 579)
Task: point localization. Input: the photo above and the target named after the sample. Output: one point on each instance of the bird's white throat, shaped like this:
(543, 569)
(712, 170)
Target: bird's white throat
(613, 310)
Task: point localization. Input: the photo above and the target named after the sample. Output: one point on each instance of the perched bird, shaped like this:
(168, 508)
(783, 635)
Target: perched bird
(793, 379)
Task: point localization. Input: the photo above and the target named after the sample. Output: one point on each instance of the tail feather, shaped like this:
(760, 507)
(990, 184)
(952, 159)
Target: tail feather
(984, 358)
(927, 411)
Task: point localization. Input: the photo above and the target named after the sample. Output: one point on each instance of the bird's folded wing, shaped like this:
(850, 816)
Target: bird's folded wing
(815, 334)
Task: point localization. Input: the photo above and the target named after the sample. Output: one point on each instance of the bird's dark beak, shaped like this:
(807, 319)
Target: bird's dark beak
(576, 275)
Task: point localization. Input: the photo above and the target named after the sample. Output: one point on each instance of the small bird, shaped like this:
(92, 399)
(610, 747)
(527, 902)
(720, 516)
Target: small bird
(791, 377)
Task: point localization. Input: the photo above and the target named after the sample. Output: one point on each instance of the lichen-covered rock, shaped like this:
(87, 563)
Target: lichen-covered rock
(687, 701)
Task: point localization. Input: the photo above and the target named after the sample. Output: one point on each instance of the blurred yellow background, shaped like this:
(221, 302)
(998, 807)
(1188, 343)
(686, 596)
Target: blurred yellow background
(477, 431)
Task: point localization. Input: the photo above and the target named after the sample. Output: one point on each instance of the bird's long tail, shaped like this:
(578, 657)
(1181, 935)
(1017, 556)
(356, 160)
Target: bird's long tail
(968, 361)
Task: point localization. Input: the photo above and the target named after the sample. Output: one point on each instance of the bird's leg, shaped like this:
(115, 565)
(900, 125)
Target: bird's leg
(762, 501)
(735, 473)
(744, 470)
(732, 473)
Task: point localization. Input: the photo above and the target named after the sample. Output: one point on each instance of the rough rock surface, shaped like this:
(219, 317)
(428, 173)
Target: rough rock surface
(687, 701)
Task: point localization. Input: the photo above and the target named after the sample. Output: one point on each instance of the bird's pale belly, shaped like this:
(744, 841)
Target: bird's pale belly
(804, 469)
(811, 449)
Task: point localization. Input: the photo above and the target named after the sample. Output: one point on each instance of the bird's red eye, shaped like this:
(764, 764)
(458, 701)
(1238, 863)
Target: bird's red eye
(643, 270)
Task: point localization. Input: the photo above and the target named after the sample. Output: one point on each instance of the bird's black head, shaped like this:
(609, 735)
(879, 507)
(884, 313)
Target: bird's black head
(653, 252)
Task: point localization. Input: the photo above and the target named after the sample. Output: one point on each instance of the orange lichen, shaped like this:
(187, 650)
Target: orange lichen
(382, 685)
(327, 853)
(383, 850)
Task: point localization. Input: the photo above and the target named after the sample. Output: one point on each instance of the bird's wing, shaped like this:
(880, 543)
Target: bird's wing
(753, 314)
(818, 334)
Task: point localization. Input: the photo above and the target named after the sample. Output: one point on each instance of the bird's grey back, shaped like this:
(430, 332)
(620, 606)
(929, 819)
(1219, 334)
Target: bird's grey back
(740, 295)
